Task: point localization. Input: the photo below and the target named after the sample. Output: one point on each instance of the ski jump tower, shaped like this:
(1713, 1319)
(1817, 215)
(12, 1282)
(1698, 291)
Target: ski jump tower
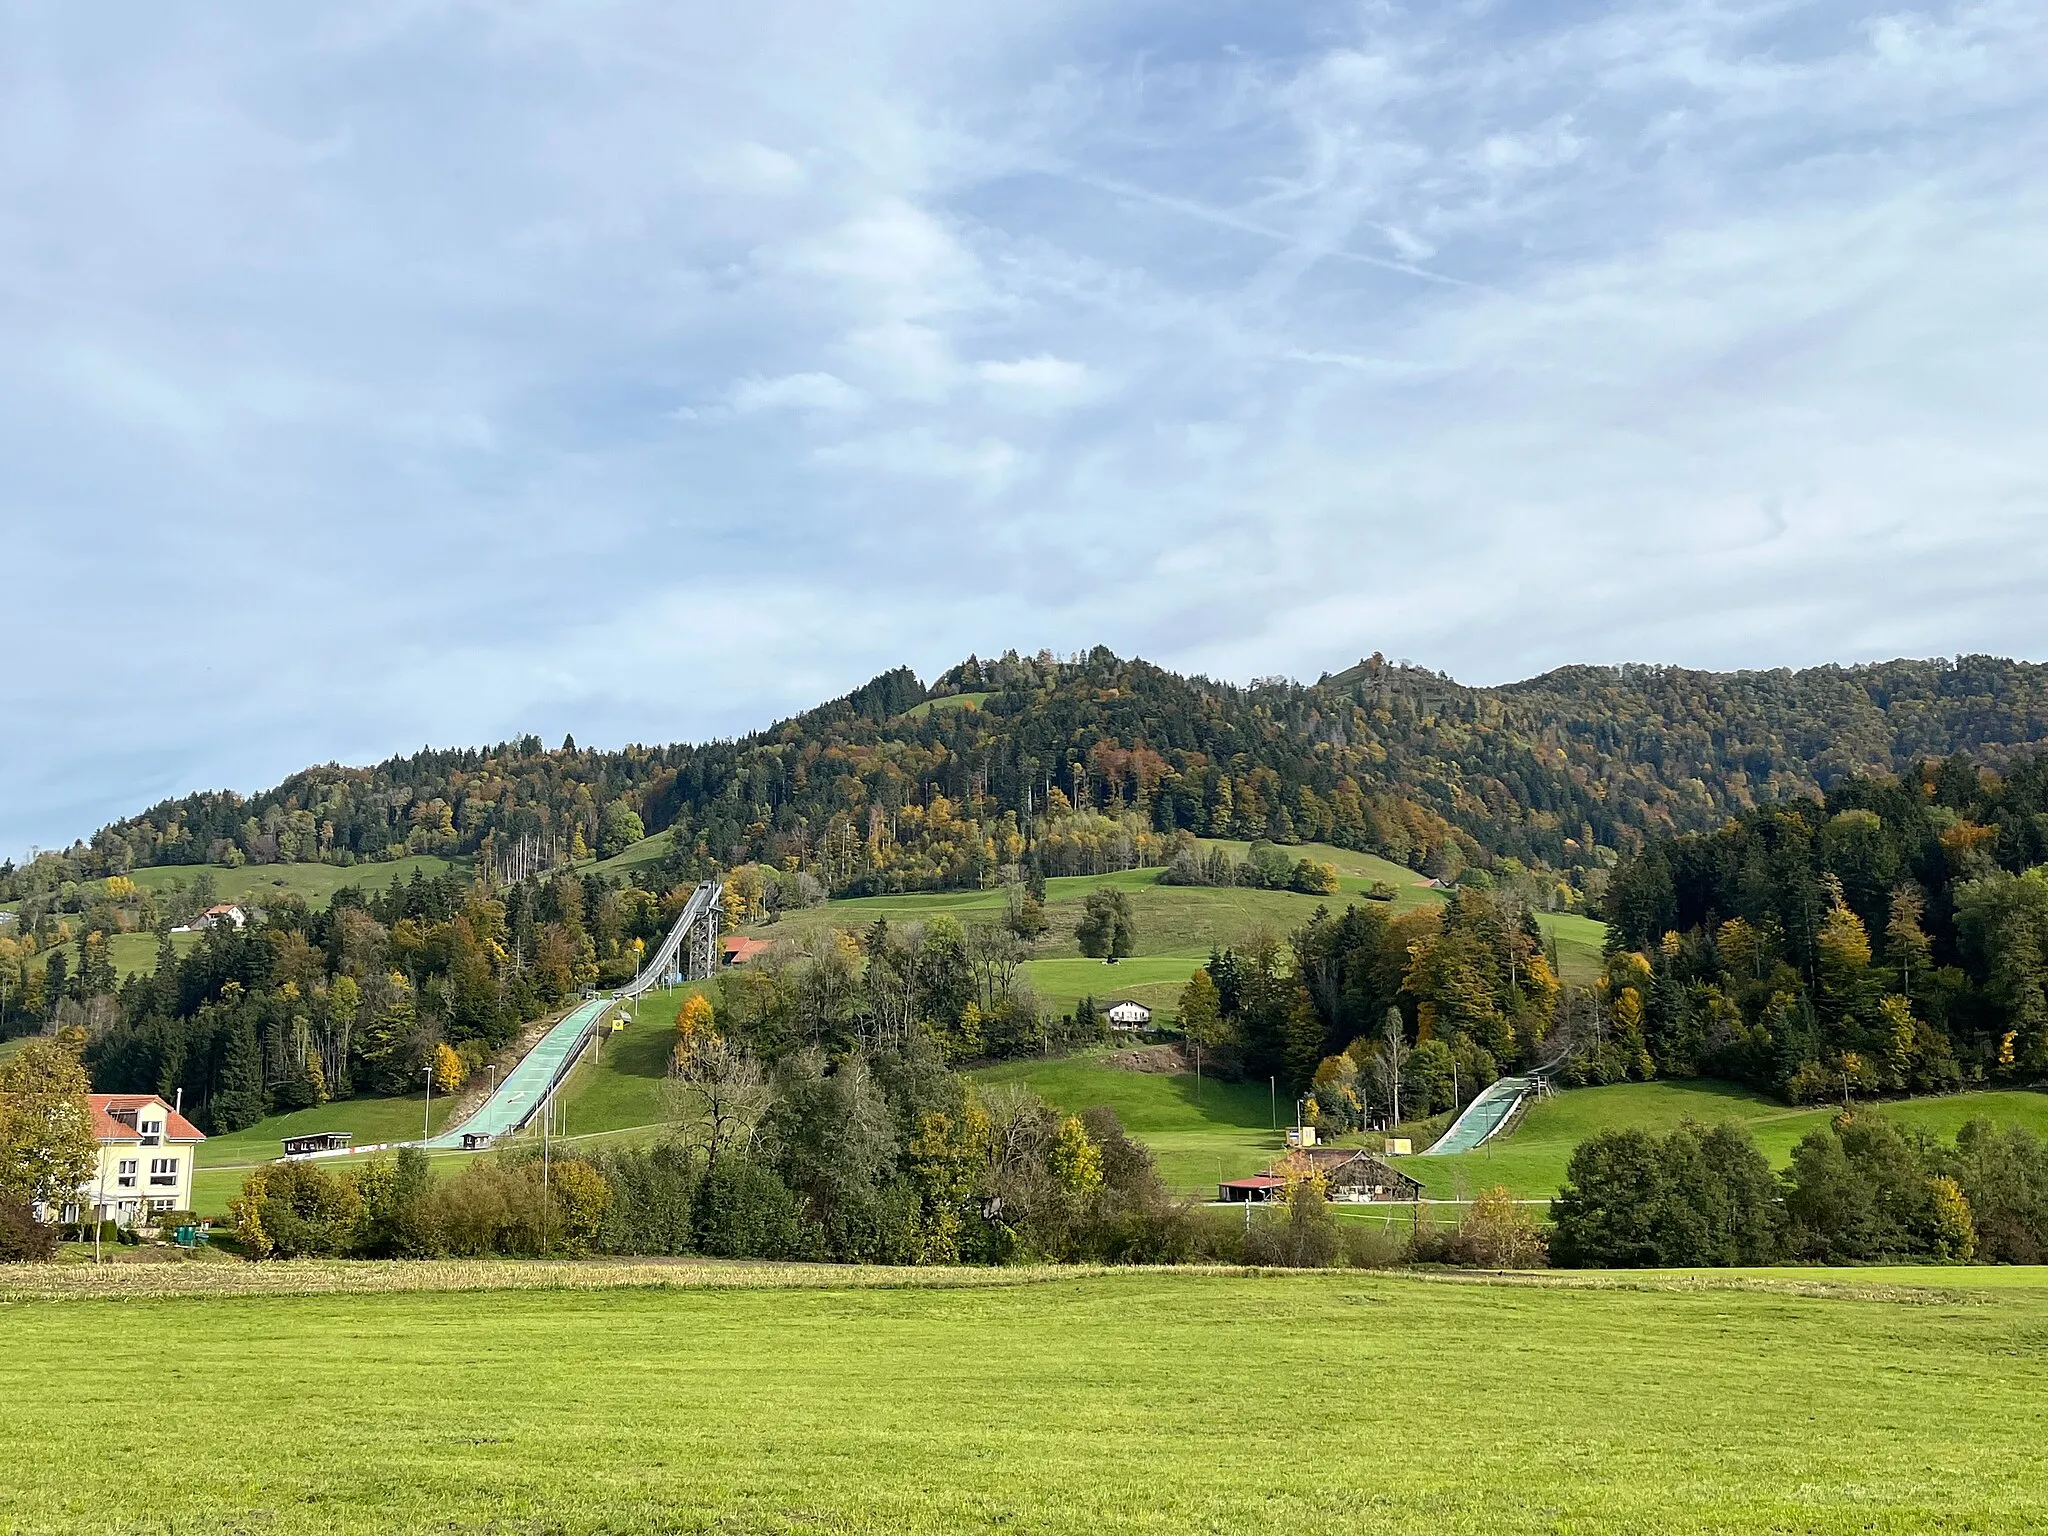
(690, 951)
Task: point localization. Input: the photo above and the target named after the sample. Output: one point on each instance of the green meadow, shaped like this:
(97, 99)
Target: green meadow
(1198, 1133)
(1228, 1132)
(315, 883)
(1295, 1405)
(1177, 925)
(1531, 1160)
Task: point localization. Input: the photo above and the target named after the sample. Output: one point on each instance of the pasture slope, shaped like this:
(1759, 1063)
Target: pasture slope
(134, 954)
(1177, 925)
(1142, 1402)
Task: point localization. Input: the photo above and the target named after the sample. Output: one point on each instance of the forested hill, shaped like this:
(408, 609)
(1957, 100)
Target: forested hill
(1071, 763)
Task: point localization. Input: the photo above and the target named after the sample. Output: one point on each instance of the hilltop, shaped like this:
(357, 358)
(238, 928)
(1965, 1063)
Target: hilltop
(903, 785)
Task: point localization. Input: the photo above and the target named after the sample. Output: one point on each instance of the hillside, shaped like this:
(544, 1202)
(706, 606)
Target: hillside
(1199, 1134)
(900, 785)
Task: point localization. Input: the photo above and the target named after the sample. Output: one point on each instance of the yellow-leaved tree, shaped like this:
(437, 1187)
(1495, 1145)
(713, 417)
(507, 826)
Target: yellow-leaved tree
(695, 1025)
(448, 1073)
(1075, 1161)
(1955, 1232)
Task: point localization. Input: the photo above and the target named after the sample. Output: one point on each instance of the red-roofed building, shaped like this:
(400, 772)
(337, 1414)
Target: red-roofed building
(146, 1154)
(1259, 1188)
(743, 951)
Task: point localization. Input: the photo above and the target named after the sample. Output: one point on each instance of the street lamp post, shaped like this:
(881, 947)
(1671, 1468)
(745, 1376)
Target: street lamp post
(427, 1116)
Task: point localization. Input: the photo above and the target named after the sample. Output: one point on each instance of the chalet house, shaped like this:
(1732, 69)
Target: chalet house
(1129, 1015)
(145, 1163)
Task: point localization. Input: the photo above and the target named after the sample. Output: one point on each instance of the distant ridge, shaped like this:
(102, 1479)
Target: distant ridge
(873, 793)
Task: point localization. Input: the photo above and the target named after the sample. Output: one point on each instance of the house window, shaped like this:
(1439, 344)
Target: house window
(125, 1175)
(152, 1133)
(68, 1214)
(161, 1205)
(163, 1170)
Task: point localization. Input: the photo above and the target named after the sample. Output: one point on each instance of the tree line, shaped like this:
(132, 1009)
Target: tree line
(1890, 938)
(1091, 763)
(1861, 1189)
(364, 996)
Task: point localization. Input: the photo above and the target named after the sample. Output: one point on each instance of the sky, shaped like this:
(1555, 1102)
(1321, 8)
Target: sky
(409, 371)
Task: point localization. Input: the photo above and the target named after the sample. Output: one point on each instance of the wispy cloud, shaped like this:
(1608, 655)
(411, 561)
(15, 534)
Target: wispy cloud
(423, 370)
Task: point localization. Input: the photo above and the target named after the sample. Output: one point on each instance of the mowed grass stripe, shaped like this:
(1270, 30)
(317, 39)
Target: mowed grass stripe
(1140, 1404)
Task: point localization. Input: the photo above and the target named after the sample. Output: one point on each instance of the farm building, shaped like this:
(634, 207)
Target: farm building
(1126, 1014)
(1352, 1173)
(1256, 1190)
(224, 912)
(307, 1144)
(742, 951)
(1354, 1176)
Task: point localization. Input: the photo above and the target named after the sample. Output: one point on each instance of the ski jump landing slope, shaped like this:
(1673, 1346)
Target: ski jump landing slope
(526, 1087)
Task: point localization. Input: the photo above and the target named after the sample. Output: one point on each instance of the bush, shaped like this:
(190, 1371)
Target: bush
(743, 1211)
(23, 1239)
(1497, 1233)
(493, 1206)
(1313, 878)
(395, 1224)
(1695, 1197)
(297, 1211)
(1305, 1238)
(653, 1191)
(1364, 1247)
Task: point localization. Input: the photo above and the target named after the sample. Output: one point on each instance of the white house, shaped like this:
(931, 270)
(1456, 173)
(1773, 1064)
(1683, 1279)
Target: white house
(1129, 1015)
(146, 1154)
(222, 912)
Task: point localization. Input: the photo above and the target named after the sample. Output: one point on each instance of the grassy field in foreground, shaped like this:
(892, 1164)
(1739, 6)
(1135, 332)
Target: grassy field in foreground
(1123, 1403)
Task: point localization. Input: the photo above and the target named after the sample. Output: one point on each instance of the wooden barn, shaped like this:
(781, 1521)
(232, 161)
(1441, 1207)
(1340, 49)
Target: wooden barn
(1352, 1173)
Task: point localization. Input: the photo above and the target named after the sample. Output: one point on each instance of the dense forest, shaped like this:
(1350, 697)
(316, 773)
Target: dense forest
(1819, 882)
(1086, 763)
(361, 997)
(1891, 937)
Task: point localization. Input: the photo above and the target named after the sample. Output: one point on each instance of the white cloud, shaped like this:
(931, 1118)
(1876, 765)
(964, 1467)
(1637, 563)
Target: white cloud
(345, 342)
(795, 391)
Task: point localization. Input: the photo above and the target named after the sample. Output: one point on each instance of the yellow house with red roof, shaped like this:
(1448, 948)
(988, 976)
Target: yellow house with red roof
(146, 1154)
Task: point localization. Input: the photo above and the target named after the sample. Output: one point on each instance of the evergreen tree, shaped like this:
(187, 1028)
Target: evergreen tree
(240, 1099)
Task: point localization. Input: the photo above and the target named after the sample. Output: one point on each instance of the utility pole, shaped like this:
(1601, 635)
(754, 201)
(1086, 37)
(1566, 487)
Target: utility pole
(427, 1118)
(1273, 1100)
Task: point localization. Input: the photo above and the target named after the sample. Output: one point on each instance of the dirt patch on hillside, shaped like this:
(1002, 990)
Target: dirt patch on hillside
(1151, 1058)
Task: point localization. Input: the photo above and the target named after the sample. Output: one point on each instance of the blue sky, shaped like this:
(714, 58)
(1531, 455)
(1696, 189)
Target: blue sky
(408, 371)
